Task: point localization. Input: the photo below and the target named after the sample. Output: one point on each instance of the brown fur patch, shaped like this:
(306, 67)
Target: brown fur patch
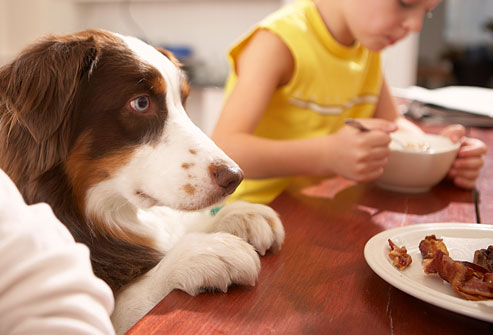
(83, 173)
(158, 85)
(189, 189)
(185, 90)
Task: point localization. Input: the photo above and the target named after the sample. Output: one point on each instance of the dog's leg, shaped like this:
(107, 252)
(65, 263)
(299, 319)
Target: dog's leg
(197, 262)
(257, 224)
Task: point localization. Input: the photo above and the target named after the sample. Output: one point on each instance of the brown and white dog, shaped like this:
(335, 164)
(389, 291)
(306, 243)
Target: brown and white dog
(93, 124)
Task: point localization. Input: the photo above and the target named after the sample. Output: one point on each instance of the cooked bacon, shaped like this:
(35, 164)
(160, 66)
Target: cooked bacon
(399, 255)
(430, 245)
(428, 248)
(469, 280)
(484, 258)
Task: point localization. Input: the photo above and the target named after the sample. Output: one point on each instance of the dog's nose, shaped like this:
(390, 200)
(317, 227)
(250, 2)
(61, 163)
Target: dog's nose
(226, 176)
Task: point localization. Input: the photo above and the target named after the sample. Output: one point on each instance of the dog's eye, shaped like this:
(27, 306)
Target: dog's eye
(140, 104)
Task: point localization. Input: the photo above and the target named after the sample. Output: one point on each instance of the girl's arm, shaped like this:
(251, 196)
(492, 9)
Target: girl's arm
(265, 65)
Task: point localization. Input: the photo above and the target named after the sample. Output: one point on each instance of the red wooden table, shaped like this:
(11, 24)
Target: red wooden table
(320, 283)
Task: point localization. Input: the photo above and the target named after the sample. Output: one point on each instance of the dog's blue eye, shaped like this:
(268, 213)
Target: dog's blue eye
(140, 104)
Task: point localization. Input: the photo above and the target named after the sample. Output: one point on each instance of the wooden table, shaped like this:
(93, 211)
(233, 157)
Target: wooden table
(320, 283)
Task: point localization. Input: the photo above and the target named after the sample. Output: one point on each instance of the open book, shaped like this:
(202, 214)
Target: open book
(469, 106)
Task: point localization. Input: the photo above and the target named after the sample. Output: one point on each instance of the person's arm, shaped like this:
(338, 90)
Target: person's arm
(465, 169)
(265, 65)
(47, 286)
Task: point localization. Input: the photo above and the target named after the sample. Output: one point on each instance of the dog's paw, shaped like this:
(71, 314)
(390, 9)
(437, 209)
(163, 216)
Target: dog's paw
(257, 224)
(211, 261)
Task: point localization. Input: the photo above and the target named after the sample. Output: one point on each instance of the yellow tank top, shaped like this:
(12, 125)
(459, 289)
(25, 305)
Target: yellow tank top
(330, 83)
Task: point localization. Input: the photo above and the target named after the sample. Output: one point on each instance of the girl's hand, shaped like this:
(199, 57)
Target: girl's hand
(360, 155)
(470, 158)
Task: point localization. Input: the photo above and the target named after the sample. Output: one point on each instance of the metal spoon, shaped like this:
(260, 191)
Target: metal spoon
(358, 125)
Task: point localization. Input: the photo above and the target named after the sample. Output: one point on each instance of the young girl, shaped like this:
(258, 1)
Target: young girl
(300, 74)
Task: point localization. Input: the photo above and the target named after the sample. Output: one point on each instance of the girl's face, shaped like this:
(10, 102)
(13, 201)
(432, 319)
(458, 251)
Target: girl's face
(377, 24)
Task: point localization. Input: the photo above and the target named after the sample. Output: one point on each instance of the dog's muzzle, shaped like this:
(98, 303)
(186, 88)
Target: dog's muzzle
(226, 176)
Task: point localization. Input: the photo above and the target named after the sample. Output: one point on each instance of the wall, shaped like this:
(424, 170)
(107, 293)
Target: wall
(196, 23)
(400, 62)
(209, 27)
(432, 41)
(3, 32)
(464, 22)
(22, 21)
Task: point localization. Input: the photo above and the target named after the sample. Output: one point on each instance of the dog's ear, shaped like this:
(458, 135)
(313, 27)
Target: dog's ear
(38, 87)
(170, 56)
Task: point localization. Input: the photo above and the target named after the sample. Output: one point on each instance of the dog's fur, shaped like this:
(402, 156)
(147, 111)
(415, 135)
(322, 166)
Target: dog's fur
(93, 124)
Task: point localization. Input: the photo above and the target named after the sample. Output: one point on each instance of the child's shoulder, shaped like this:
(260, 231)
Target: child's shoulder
(283, 25)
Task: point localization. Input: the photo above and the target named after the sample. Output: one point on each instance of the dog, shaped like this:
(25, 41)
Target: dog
(93, 123)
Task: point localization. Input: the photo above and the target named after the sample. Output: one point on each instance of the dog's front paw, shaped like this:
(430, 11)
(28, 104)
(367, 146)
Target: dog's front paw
(211, 261)
(257, 224)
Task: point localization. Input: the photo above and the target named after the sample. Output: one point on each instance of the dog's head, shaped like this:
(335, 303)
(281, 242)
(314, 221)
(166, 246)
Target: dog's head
(108, 110)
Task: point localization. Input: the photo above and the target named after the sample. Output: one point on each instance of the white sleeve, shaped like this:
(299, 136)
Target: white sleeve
(47, 286)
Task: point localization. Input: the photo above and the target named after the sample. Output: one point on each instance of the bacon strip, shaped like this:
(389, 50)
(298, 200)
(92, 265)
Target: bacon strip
(469, 280)
(484, 257)
(401, 259)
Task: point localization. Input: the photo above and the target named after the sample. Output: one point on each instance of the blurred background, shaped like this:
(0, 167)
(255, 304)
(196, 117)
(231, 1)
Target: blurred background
(455, 46)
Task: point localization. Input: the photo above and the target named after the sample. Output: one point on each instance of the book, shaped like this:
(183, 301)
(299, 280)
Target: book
(466, 105)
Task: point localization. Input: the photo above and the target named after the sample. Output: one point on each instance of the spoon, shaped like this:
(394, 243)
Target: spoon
(358, 125)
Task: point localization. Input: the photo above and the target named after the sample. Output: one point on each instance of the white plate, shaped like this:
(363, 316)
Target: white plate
(461, 239)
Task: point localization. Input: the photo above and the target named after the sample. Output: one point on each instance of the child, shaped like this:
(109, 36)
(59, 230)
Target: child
(296, 78)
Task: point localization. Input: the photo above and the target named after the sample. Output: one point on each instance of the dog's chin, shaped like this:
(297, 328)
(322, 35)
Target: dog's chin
(194, 205)
(145, 201)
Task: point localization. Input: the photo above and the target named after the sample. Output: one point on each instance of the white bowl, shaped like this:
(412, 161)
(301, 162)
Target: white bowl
(417, 162)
